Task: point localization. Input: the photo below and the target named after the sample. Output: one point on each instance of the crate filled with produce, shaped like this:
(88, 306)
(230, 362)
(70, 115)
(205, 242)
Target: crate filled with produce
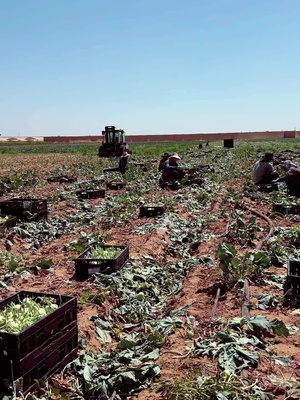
(25, 209)
(103, 259)
(152, 209)
(7, 221)
(33, 328)
(90, 193)
(292, 283)
(115, 185)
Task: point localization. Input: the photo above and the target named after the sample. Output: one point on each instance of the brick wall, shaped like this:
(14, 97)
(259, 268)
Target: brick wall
(181, 137)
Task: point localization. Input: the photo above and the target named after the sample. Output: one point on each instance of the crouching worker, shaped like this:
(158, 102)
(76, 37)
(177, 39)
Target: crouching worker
(291, 178)
(264, 171)
(123, 163)
(171, 170)
(163, 159)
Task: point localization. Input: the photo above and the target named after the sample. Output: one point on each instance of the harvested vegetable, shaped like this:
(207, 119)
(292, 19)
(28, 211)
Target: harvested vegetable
(105, 252)
(17, 317)
(3, 219)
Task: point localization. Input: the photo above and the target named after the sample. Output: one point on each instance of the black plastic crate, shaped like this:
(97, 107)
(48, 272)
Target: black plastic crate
(115, 185)
(10, 222)
(292, 284)
(68, 179)
(268, 187)
(286, 210)
(54, 178)
(54, 358)
(25, 349)
(25, 208)
(90, 193)
(85, 266)
(152, 210)
(62, 179)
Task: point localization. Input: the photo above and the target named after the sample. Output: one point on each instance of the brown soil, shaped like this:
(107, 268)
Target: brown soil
(199, 290)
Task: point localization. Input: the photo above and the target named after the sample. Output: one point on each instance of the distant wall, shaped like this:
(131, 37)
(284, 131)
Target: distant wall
(72, 139)
(176, 137)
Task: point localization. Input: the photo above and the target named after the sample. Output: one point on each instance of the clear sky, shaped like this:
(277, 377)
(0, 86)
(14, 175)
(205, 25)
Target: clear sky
(70, 67)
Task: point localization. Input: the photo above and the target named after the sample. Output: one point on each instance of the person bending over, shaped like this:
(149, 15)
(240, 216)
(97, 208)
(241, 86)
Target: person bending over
(264, 171)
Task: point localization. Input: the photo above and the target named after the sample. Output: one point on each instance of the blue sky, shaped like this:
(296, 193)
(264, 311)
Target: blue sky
(70, 67)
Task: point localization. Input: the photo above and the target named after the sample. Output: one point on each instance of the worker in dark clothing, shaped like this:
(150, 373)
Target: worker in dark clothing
(264, 171)
(171, 170)
(291, 178)
(123, 163)
(162, 161)
(124, 148)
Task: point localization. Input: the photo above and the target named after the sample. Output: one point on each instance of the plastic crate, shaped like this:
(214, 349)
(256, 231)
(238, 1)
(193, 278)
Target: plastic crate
(90, 193)
(286, 210)
(292, 283)
(115, 185)
(9, 223)
(26, 349)
(54, 178)
(268, 187)
(25, 209)
(53, 360)
(152, 210)
(67, 179)
(62, 179)
(85, 266)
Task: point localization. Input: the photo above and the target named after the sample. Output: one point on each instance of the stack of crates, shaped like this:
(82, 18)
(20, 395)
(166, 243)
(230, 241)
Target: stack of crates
(25, 209)
(43, 348)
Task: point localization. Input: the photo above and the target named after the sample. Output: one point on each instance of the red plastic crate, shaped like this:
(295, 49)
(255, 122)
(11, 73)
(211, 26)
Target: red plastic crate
(85, 266)
(25, 349)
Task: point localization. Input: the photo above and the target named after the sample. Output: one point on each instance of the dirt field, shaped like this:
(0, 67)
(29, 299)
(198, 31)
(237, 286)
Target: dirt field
(171, 240)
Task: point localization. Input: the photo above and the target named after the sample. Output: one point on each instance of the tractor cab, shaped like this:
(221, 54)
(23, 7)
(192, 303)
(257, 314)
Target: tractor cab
(113, 135)
(112, 140)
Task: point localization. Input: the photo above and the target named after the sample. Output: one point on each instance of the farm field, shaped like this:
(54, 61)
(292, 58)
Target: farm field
(174, 322)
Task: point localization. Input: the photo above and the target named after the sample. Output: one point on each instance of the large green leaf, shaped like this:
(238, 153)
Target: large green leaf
(279, 328)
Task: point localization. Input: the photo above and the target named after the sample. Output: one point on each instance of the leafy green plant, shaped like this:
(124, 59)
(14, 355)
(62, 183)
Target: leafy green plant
(249, 265)
(242, 231)
(224, 386)
(8, 261)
